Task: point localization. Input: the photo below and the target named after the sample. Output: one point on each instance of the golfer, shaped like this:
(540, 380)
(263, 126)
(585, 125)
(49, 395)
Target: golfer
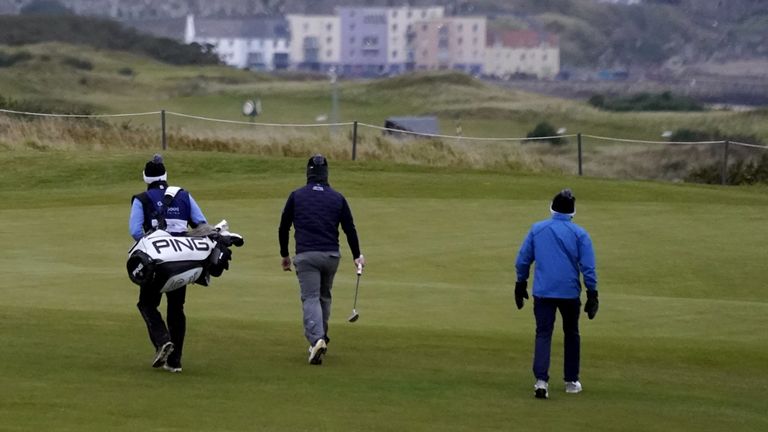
(316, 211)
(562, 251)
(145, 210)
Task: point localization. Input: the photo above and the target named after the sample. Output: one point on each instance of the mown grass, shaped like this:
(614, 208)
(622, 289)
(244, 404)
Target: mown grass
(677, 344)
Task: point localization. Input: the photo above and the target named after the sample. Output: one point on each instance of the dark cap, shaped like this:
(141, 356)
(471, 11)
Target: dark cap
(154, 170)
(564, 202)
(317, 169)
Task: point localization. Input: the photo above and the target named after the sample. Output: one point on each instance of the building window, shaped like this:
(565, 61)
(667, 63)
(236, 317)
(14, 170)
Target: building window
(328, 40)
(460, 41)
(544, 57)
(394, 27)
(522, 56)
(370, 41)
(423, 14)
(394, 54)
(474, 28)
(306, 26)
(328, 54)
(423, 27)
(461, 27)
(352, 26)
(352, 53)
(394, 13)
(329, 26)
(352, 40)
(410, 14)
(274, 44)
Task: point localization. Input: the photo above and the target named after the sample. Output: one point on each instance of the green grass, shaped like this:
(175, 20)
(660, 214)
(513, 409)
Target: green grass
(679, 343)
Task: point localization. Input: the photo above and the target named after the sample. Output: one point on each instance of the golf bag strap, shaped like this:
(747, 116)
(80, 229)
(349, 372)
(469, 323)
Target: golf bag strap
(149, 209)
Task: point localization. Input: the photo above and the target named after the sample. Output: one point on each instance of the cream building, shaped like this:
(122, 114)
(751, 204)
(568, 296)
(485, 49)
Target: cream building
(315, 41)
(401, 22)
(522, 52)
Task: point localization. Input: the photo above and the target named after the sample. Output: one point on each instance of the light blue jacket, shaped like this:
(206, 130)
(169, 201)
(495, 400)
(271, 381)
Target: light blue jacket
(561, 250)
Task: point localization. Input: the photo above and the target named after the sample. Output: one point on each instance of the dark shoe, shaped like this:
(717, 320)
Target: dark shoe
(541, 389)
(161, 356)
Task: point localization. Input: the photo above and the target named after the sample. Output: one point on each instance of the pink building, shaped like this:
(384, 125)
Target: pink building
(450, 43)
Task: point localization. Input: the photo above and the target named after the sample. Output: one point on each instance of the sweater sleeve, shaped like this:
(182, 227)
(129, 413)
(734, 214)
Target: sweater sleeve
(286, 220)
(195, 214)
(587, 262)
(136, 220)
(348, 225)
(525, 258)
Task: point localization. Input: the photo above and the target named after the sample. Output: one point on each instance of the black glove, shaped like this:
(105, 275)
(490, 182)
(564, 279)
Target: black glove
(592, 304)
(521, 292)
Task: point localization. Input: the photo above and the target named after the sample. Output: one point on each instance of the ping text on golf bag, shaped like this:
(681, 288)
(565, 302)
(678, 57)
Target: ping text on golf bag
(169, 262)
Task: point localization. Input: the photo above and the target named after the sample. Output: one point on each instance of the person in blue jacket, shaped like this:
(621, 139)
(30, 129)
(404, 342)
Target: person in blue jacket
(182, 211)
(562, 252)
(316, 210)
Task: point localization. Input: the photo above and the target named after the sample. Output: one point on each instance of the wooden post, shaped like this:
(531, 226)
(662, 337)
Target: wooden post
(162, 125)
(354, 140)
(578, 139)
(724, 168)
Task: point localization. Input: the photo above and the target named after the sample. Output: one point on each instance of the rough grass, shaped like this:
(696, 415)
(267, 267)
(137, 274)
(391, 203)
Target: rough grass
(439, 346)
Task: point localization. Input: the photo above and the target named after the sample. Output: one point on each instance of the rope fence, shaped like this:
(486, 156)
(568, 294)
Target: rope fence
(355, 125)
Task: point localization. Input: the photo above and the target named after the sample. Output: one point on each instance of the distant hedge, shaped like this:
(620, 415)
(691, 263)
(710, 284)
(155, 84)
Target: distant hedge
(665, 101)
(102, 34)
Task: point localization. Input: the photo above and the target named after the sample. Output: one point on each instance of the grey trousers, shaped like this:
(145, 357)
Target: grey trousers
(315, 271)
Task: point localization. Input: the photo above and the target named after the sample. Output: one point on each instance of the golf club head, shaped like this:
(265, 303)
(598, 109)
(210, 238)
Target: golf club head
(352, 318)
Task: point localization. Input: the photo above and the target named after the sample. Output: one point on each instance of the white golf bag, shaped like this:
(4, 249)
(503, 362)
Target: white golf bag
(170, 262)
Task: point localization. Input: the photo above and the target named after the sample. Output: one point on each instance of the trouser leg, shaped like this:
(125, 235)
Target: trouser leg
(177, 323)
(545, 312)
(569, 310)
(326, 284)
(149, 300)
(309, 277)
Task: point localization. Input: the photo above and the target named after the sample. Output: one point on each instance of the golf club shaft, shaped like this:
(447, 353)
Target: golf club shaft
(357, 285)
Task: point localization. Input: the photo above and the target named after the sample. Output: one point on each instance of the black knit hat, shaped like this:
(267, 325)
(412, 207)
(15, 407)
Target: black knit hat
(154, 170)
(564, 202)
(317, 169)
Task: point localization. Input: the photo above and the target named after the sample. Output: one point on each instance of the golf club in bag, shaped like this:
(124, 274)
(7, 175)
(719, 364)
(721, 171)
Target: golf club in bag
(355, 315)
(171, 262)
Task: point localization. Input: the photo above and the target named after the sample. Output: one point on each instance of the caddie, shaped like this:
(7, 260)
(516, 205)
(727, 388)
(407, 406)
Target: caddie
(182, 211)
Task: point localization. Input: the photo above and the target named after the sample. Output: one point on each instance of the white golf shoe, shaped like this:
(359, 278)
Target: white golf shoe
(162, 354)
(572, 387)
(541, 389)
(172, 369)
(316, 352)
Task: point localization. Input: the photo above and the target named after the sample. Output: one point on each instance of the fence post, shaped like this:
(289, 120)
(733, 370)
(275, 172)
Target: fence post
(354, 140)
(724, 168)
(578, 139)
(162, 126)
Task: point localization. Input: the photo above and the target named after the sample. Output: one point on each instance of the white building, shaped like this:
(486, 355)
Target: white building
(522, 52)
(253, 43)
(315, 42)
(401, 33)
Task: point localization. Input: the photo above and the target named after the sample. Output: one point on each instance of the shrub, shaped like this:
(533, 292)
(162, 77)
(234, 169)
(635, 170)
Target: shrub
(77, 63)
(739, 173)
(545, 129)
(43, 107)
(8, 60)
(100, 34)
(126, 71)
(665, 101)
